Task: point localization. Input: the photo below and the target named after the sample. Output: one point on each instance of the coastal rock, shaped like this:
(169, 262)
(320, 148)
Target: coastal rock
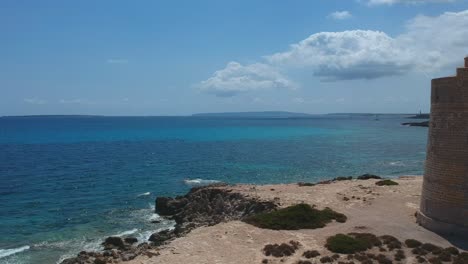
(418, 124)
(159, 238)
(114, 242)
(209, 206)
(170, 206)
(130, 240)
(100, 261)
(203, 206)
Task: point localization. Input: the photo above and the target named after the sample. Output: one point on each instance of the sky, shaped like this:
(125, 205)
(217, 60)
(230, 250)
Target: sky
(181, 57)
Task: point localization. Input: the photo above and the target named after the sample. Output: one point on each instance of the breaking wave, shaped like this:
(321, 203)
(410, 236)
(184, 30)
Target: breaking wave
(199, 182)
(12, 251)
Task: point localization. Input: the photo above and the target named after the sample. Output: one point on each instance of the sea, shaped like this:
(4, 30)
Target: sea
(68, 182)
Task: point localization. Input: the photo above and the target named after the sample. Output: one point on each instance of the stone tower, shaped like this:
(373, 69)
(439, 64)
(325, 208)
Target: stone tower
(444, 200)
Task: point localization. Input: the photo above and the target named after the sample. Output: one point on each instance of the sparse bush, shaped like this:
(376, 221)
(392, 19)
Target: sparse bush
(435, 260)
(311, 254)
(300, 216)
(382, 259)
(344, 244)
(387, 239)
(445, 255)
(361, 257)
(420, 259)
(400, 255)
(326, 259)
(305, 184)
(412, 243)
(430, 247)
(462, 258)
(452, 250)
(419, 251)
(369, 176)
(370, 239)
(282, 250)
(304, 262)
(386, 183)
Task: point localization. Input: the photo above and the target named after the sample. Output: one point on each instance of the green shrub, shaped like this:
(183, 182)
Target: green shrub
(391, 242)
(419, 251)
(431, 248)
(371, 240)
(461, 259)
(412, 243)
(281, 250)
(445, 255)
(345, 244)
(326, 259)
(305, 184)
(400, 255)
(386, 183)
(452, 250)
(311, 254)
(300, 216)
(368, 176)
(420, 259)
(382, 259)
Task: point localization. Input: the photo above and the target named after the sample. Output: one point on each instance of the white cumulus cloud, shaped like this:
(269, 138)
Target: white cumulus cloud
(340, 15)
(236, 78)
(428, 44)
(391, 2)
(355, 54)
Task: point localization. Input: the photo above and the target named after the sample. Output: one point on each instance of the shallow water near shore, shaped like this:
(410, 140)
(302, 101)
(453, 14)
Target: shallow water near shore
(69, 182)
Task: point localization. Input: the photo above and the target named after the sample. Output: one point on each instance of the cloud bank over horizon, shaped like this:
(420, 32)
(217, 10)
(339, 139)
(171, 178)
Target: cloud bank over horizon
(352, 55)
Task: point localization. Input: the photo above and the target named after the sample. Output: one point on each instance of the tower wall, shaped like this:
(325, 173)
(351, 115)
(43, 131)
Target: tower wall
(444, 200)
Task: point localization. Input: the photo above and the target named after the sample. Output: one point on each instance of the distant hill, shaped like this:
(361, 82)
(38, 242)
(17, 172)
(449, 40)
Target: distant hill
(266, 114)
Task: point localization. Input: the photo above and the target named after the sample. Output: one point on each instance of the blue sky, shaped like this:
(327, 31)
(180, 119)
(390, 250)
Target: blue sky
(182, 57)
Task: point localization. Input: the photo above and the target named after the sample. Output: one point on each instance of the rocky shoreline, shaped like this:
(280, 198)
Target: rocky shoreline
(418, 124)
(212, 222)
(201, 206)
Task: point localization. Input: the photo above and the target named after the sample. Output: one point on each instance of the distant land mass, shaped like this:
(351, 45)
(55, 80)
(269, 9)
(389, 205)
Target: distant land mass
(50, 116)
(265, 114)
(420, 116)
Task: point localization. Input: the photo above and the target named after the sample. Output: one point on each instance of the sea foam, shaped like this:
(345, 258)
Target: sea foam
(127, 233)
(11, 251)
(199, 182)
(144, 194)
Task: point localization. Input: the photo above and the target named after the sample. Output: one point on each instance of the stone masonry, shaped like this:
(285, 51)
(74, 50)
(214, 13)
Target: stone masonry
(444, 200)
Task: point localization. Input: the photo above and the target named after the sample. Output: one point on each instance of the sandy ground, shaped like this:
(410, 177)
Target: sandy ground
(370, 208)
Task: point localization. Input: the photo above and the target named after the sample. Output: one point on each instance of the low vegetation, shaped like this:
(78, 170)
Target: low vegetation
(386, 183)
(281, 250)
(412, 243)
(345, 244)
(300, 216)
(366, 248)
(368, 177)
(311, 254)
(305, 184)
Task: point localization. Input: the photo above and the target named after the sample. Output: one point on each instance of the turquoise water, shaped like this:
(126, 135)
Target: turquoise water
(69, 182)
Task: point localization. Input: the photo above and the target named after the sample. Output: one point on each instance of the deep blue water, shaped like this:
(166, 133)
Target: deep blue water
(69, 182)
